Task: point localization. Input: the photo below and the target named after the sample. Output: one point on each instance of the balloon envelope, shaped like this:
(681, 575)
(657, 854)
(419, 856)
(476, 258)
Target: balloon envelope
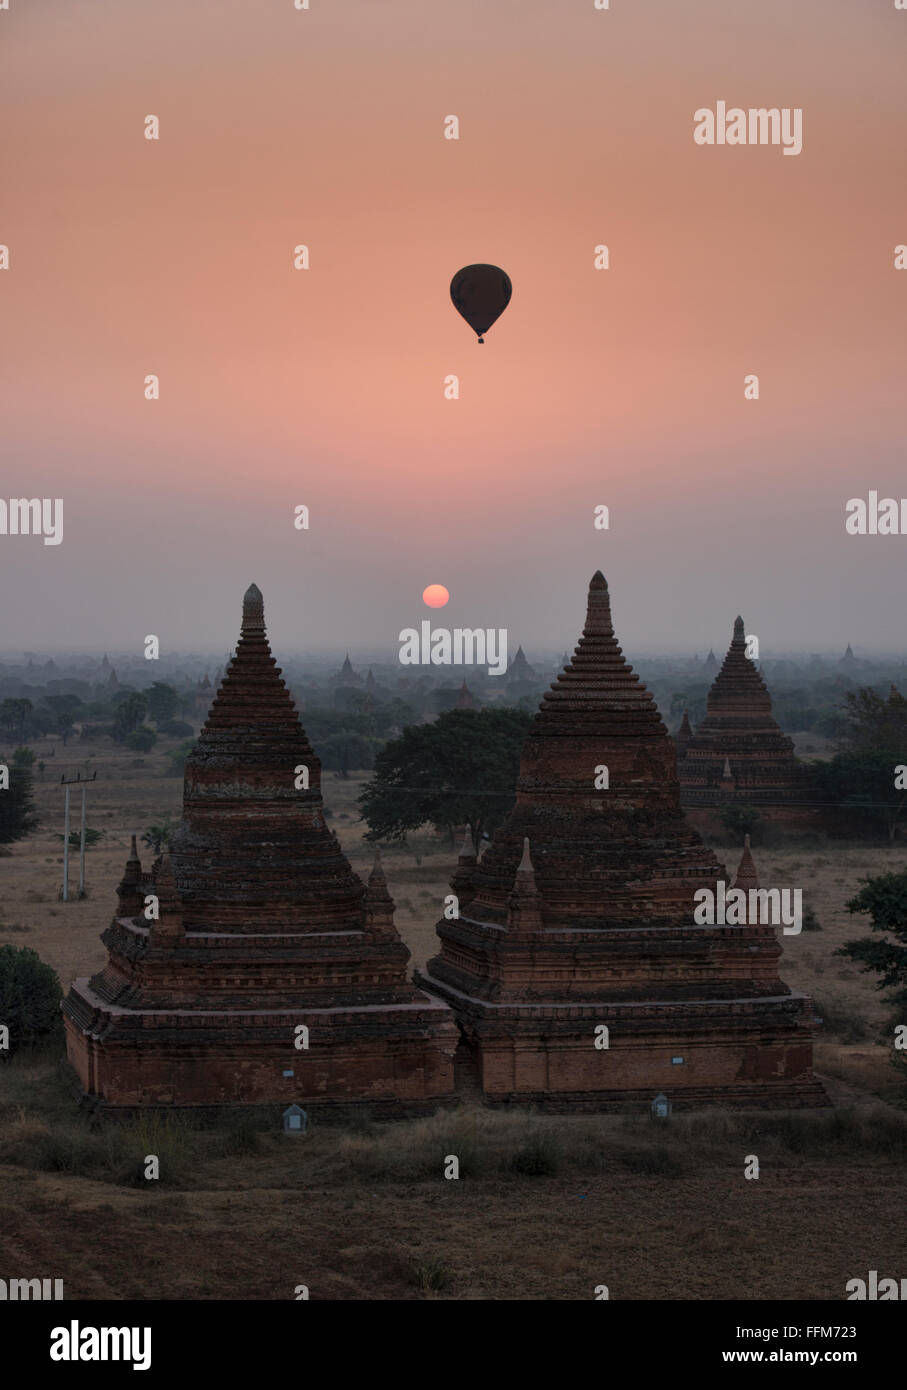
(480, 293)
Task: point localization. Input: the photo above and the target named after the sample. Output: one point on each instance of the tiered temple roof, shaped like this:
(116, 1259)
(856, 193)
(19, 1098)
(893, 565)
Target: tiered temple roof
(520, 669)
(581, 913)
(738, 752)
(262, 925)
(465, 697)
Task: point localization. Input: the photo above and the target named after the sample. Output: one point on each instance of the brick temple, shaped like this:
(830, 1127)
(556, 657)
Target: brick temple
(580, 913)
(739, 754)
(262, 926)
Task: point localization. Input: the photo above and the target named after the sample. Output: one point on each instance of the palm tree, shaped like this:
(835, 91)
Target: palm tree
(157, 836)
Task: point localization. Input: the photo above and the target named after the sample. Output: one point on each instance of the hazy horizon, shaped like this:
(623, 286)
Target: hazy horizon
(325, 387)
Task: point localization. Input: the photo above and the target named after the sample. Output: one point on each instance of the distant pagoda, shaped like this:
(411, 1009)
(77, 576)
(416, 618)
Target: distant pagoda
(262, 926)
(346, 675)
(580, 913)
(519, 669)
(465, 697)
(738, 752)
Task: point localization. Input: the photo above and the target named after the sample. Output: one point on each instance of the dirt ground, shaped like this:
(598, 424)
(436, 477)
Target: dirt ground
(355, 1216)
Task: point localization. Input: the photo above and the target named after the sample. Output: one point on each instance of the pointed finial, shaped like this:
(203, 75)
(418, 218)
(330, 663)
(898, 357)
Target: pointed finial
(468, 849)
(726, 771)
(170, 923)
(524, 906)
(377, 875)
(598, 608)
(377, 903)
(165, 879)
(129, 889)
(739, 630)
(253, 610)
(746, 877)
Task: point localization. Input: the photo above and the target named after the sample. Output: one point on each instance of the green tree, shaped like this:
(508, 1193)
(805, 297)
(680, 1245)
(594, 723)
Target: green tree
(91, 837)
(739, 819)
(14, 717)
(861, 777)
(346, 752)
(63, 711)
(178, 756)
(884, 900)
(17, 810)
(462, 767)
(141, 740)
(129, 715)
(157, 836)
(30, 998)
(163, 701)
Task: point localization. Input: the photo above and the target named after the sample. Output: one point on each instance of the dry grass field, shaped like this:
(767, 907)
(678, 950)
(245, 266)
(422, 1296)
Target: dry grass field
(545, 1207)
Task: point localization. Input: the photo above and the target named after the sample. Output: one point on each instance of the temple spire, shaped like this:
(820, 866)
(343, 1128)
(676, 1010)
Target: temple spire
(524, 911)
(130, 896)
(463, 880)
(598, 608)
(169, 923)
(739, 630)
(378, 903)
(747, 876)
(253, 611)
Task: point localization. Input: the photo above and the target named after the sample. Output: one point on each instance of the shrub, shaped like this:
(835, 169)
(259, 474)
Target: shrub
(811, 921)
(178, 756)
(30, 997)
(539, 1158)
(432, 1275)
(241, 1137)
(141, 740)
(158, 837)
(841, 1021)
(91, 837)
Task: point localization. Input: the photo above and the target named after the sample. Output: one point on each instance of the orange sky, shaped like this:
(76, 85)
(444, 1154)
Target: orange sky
(325, 387)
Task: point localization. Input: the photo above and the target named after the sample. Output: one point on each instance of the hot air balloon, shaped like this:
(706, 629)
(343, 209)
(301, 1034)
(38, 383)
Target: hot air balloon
(480, 293)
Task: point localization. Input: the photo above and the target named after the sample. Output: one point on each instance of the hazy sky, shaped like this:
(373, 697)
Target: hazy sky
(325, 387)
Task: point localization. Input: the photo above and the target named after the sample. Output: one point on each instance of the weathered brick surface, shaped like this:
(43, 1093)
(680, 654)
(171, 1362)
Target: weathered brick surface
(263, 926)
(594, 924)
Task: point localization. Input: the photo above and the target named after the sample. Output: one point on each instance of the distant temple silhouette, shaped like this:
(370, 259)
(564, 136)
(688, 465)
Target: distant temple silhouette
(739, 754)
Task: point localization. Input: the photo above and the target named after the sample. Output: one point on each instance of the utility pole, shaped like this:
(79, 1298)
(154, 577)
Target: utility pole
(67, 782)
